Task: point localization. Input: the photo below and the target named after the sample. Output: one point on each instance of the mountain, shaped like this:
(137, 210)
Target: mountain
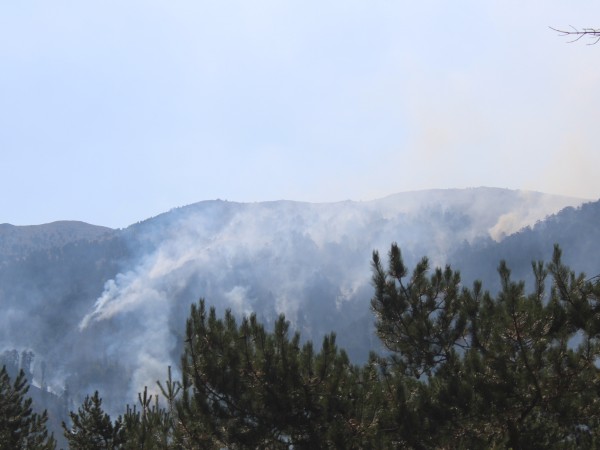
(99, 306)
(575, 230)
(19, 241)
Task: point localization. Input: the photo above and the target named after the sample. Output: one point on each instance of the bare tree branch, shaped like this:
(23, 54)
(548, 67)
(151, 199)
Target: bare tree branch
(576, 34)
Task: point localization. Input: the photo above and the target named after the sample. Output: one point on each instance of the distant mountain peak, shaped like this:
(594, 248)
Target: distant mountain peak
(21, 240)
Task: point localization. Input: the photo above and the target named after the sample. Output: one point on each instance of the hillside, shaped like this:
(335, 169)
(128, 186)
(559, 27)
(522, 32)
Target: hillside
(575, 230)
(102, 309)
(20, 241)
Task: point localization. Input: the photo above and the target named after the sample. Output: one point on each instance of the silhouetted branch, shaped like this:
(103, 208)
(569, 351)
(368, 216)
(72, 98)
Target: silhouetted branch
(576, 34)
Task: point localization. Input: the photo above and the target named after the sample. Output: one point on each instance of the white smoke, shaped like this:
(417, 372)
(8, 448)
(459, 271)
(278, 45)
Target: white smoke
(533, 207)
(278, 257)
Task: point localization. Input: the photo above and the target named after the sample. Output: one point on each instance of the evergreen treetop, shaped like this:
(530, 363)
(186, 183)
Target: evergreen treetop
(518, 369)
(20, 427)
(464, 369)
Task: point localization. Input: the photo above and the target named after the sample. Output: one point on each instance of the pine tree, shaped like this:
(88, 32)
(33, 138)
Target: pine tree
(91, 428)
(150, 427)
(516, 370)
(147, 428)
(244, 387)
(20, 427)
(464, 369)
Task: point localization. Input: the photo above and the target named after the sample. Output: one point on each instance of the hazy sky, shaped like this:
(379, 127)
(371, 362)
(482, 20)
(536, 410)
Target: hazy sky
(114, 111)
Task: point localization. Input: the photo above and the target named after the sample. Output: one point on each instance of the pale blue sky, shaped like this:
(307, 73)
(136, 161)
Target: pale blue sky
(115, 111)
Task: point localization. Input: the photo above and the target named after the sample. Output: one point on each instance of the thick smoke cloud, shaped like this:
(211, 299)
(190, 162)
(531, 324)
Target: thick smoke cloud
(108, 313)
(307, 261)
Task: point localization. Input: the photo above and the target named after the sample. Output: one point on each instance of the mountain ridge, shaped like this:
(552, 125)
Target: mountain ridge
(103, 310)
(20, 240)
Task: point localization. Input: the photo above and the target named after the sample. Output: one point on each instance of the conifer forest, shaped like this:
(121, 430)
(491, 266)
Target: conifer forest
(339, 225)
(459, 368)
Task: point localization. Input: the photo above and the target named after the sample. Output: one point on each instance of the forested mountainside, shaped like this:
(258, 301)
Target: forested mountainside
(575, 230)
(19, 241)
(97, 311)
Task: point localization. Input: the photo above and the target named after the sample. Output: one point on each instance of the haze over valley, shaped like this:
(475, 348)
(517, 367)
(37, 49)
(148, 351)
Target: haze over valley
(98, 305)
(266, 157)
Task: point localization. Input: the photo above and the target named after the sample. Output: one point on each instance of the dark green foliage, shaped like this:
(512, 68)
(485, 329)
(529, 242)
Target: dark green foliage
(244, 387)
(150, 427)
(20, 427)
(464, 369)
(518, 370)
(91, 428)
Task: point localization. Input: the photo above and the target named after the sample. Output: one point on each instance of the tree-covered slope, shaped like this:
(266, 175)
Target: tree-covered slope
(97, 311)
(575, 229)
(20, 241)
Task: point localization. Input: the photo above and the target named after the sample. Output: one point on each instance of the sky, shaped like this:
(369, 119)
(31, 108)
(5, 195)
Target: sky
(115, 111)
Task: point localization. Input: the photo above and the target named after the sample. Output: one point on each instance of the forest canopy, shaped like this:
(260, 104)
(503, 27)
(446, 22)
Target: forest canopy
(463, 368)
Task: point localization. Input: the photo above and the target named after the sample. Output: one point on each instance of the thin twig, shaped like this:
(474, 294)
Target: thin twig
(577, 34)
